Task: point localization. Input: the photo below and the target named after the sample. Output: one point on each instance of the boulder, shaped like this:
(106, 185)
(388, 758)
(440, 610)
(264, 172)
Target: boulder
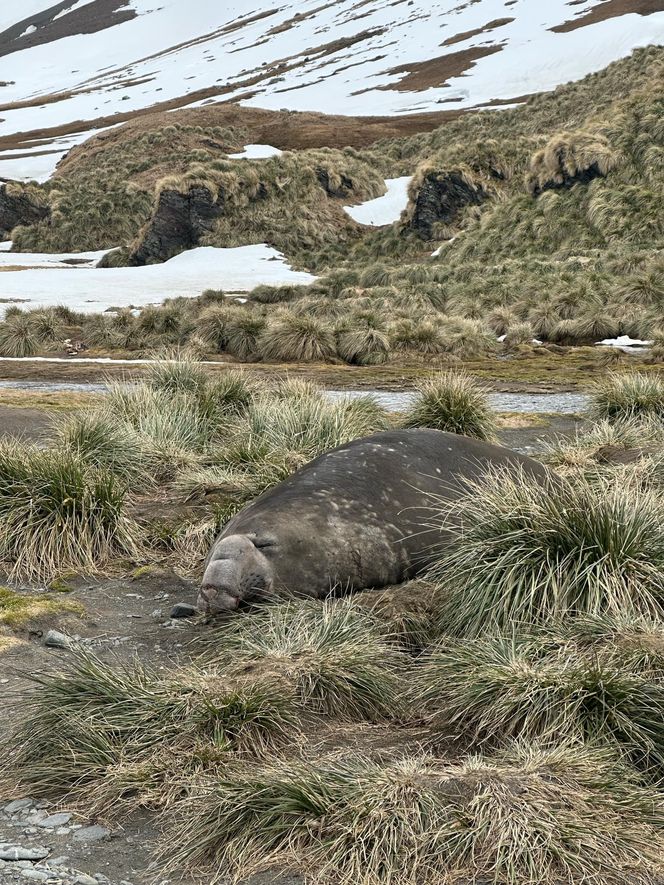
(564, 180)
(19, 206)
(440, 198)
(341, 189)
(178, 222)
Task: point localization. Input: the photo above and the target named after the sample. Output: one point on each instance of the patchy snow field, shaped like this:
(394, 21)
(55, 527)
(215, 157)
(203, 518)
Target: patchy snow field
(386, 209)
(89, 289)
(383, 57)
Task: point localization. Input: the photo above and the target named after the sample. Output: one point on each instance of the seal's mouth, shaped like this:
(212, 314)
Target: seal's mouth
(212, 601)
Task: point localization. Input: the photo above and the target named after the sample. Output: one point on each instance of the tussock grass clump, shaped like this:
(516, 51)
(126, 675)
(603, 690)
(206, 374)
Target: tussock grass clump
(83, 723)
(101, 442)
(454, 402)
(243, 335)
(363, 346)
(570, 157)
(57, 514)
(213, 325)
(408, 612)
(177, 373)
(19, 336)
(598, 681)
(334, 653)
(548, 816)
(282, 433)
(298, 338)
(636, 394)
(526, 553)
(597, 446)
(231, 393)
(422, 337)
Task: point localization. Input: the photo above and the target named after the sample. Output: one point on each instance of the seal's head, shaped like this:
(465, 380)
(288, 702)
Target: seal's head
(238, 568)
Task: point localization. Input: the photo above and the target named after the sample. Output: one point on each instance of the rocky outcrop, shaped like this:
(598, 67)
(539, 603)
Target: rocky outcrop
(440, 198)
(564, 180)
(178, 222)
(19, 206)
(340, 186)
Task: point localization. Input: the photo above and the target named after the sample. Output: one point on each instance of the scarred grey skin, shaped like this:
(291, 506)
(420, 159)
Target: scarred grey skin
(353, 519)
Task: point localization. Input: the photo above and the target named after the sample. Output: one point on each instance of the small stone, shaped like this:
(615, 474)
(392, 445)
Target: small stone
(56, 820)
(63, 831)
(59, 861)
(183, 610)
(36, 875)
(18, 852)
(17, 805)
(92, 834)
(55, 639)
(84, 879)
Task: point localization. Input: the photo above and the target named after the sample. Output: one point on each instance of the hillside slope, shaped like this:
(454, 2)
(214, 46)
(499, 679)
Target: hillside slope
(72, 68)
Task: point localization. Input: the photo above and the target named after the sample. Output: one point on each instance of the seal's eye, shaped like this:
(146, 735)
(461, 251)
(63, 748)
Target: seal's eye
(264, 542)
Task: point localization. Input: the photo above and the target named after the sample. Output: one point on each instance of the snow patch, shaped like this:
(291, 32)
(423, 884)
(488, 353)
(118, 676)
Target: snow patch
(42, 259)
(256, 152)
(386, 209)
(623, 341)
(89, 289)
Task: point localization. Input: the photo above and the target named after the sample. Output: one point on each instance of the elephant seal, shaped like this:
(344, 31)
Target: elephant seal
(352, 519)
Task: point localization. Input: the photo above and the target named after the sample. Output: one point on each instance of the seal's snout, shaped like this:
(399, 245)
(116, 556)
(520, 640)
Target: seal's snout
(236, 570)
(212, 600)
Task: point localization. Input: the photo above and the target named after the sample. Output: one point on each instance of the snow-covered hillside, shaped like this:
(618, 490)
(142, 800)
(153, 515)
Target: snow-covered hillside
(77, 66)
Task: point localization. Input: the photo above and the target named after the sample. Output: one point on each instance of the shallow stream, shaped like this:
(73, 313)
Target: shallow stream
(394, 401)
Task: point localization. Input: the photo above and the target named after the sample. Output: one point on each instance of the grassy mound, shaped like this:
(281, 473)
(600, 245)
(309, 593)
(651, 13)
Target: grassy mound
(524, 554)
(634, 395)
(566, 815)
(455, 403)
(58, 514)
(333, 652)
(599, 681)
(103, 724)
(293, 338)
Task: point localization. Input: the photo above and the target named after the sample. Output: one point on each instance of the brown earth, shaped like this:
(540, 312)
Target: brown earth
(610, 9)
(437, 71)
(286, 130)
(466, 35)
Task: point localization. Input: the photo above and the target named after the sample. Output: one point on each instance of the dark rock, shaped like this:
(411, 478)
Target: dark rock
(344, 189)
(440, 197)
(55, 820)
(92, 834)
(19, 206)
(183, 610)
(55, 639)
(178, 222)
(18, 805)
(19, 852)
(564, 181)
